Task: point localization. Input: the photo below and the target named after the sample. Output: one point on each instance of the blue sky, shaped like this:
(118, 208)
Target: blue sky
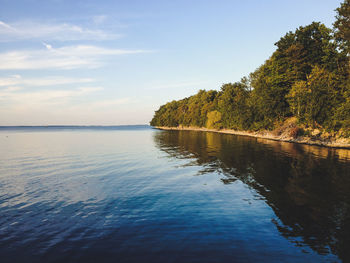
(115, 62)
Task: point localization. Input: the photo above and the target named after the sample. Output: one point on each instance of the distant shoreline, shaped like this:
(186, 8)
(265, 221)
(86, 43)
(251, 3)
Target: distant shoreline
(332, 143)
(71, 128)
(68, 125)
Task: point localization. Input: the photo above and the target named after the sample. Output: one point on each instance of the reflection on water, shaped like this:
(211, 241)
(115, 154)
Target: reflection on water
(134, 194)
(307, 187)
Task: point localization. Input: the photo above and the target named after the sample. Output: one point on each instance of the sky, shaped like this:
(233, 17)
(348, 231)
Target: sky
(114, 62)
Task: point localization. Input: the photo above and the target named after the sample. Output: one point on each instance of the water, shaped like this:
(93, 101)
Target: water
(135, 194)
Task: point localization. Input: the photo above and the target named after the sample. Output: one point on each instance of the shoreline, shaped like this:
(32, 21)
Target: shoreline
(332, 143)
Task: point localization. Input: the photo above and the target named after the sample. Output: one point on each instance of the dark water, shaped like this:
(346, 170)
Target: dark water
(134, 194)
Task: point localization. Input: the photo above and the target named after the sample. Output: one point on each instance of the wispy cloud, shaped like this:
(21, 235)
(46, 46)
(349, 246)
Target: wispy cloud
(43, 31)
(77, 106)
(101, 105)
(66, 57)
(17, 80)
(18, 98)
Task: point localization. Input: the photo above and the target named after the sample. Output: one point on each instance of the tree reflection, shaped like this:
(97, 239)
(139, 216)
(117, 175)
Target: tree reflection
(308, 187)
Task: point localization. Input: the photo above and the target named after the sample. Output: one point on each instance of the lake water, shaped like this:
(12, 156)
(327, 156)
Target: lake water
(135, 194)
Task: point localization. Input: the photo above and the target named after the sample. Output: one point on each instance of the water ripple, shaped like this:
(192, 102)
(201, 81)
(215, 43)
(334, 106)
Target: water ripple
(145, 195)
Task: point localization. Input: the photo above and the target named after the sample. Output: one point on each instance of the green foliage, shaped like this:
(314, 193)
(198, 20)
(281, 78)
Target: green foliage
(314, 101)
(298, 98)
(267, 98)
(214, 120)
(306, 77)
(342, 26)
(311, 45)
(343, 111)
(190, 111)
(233, 106)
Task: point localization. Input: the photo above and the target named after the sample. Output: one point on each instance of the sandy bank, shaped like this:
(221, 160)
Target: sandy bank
(329, 142)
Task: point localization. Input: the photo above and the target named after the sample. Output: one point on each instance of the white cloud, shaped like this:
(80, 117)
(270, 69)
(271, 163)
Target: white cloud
(48, 46)
(101, 106)
(15, 80)
(37, 99)
(78, 106)
(66, 57)
(4, 25)
(62, 32)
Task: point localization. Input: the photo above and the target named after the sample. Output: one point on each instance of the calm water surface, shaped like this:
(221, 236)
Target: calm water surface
(134, 194)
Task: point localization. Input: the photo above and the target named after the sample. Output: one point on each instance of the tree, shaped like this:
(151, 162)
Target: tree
(214, 120)
(343, 111)
(310, 45)
(308, 76)
(232, 105)
(267, 100)
(342, 26)
(298, 98)
(314, 101)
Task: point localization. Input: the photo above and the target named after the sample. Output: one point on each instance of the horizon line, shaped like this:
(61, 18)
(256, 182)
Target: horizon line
(74, 125)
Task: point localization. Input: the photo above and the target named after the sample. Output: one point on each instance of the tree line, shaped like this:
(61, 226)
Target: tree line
(306, 77)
